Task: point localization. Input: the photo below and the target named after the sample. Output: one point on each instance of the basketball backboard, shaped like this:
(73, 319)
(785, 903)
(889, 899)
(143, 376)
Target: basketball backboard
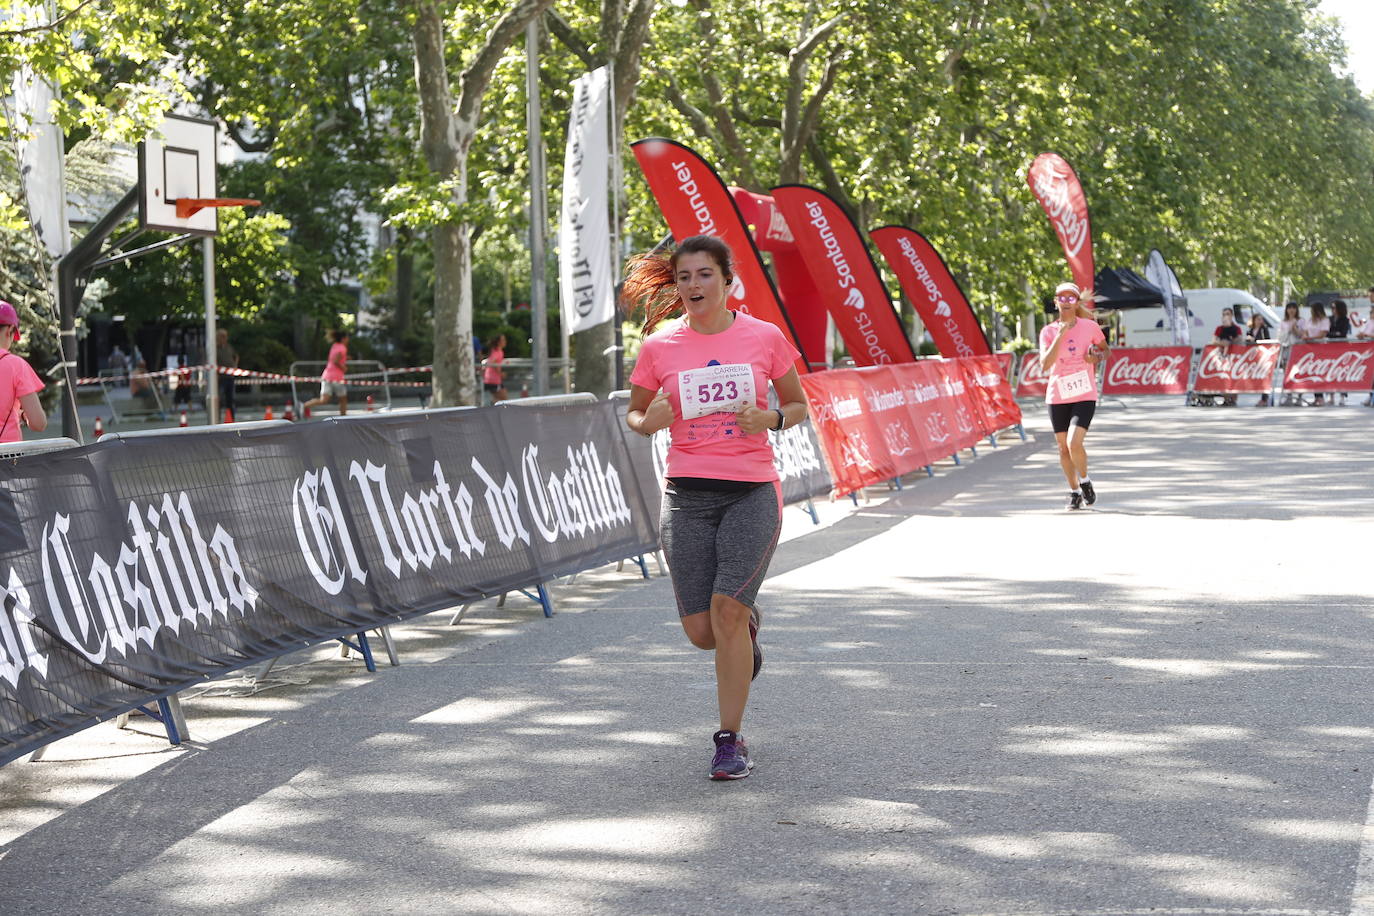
(180, 163)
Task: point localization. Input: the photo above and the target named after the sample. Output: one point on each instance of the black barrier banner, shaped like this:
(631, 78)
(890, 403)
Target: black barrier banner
(132, 569)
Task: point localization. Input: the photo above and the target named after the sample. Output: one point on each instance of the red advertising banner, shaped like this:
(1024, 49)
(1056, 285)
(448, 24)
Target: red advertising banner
(986, 377)
(883, 421)
(1148, 370)
(932, 289)
(1031, 380)
(694, 201)
(1330, 367)
(853, 445)
(800, 298)
(1055, 184)
(1236, 370)
(844, 272)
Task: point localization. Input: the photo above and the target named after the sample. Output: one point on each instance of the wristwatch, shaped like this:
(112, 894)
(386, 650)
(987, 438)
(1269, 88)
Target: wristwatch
(782, 419)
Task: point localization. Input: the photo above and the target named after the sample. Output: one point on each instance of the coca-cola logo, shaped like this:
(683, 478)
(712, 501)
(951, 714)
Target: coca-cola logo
(1252, 363)
(1161, 370)
(1350, 366)
(1055, 191)
(1031, 370)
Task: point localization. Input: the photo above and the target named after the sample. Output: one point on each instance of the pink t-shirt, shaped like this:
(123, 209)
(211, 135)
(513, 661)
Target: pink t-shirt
(336, 373)
(17, 379)
(703, 370)
(491, 373)
(1072, 378)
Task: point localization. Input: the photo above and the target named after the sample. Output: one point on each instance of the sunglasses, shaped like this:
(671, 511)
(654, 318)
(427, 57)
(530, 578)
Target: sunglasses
(1066, 298)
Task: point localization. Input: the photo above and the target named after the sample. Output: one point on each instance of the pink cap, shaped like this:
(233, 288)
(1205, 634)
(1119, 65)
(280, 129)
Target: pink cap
(8, 315)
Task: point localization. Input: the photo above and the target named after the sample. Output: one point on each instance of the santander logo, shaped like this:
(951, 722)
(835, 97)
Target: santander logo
(1352, 367)
(854, 299)
(942, 309)
(1162, 370)
(1052, 187)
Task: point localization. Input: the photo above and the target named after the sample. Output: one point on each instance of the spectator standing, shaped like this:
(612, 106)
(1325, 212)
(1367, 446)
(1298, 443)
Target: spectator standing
(119, 364)
(1339, 330)
(1256, 332)
(333, 382)
(1288, 335)
(492, 381)
(183, 377)
(227, 358)
(1313, 330)
(19, 384)
(1228, 334)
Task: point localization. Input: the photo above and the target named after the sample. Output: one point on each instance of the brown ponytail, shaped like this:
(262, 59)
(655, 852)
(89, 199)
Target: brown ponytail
(651, 279)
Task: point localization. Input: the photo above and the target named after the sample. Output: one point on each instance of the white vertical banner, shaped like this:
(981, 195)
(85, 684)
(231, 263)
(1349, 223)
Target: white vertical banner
(1158, 272)
(586, 284)
(41, 150)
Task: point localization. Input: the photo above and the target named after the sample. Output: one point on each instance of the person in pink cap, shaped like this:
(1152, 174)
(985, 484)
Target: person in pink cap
(19, 384)
(1070, 350)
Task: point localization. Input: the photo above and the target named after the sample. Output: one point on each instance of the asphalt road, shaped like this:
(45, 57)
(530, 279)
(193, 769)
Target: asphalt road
(974, 702)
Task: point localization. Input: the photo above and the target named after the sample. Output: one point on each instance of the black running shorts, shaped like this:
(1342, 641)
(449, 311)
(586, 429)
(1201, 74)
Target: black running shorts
(719, 542)
(1079, 413)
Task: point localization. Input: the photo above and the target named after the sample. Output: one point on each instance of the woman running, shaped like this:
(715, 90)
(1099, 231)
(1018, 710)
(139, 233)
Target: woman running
(1070, 350)
(705, 379)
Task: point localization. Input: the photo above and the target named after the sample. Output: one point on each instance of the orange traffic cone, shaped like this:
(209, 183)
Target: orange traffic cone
(99, 428)
(185, 421)
(369, 403)
(525, 389)
(305, 412)
(288, 414)
(268, 415)
(228, 415)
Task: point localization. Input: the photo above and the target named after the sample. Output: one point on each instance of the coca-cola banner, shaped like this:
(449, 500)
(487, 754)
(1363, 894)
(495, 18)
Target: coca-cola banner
(1005, 361)
(1236, 369)
(933, 291)
(131, 569)
(694, 201)
(1031, 379)
(1055, 184)
(1332, 366)
(1148, 370)
(880, 422)
(844, 272)
(800, 298)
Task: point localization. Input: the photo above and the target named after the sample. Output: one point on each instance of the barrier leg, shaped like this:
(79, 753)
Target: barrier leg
(643, 566)
(38, 754)
(161, 713)
(810, 509)
(855, 497)
(992, 440)
(897, 482)
(955, 456)
(178, 717)
(541, 597)
(390, 645)
(364, 648)
(1022, 430)
(930, 471)
(662, 567)
(974, 450)
(458, 617)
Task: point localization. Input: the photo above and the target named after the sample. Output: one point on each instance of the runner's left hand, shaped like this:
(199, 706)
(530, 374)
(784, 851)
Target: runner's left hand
(752, 420)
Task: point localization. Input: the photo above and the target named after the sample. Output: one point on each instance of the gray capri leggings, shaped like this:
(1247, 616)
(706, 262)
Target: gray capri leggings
(719, 542)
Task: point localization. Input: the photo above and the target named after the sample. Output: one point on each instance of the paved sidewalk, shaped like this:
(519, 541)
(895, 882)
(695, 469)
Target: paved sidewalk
(974, 702)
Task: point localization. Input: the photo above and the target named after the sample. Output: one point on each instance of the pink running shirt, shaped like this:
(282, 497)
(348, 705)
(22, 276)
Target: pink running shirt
(333, 373)
(1073, 378)
(707, 367)
(17, 379)
(491, 372)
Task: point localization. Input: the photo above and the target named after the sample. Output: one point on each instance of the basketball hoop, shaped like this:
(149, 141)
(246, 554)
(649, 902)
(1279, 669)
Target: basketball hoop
(189, 206)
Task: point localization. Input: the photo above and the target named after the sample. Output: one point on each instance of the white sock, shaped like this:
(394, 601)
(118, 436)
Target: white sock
(1083, 480)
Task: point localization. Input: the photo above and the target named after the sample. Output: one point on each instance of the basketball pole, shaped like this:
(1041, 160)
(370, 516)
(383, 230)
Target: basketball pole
(539, 326)
(211, 348)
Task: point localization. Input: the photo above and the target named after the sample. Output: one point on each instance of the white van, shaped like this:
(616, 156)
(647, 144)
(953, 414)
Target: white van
(1145, 327)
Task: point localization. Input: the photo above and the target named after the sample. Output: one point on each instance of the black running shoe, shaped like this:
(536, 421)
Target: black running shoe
(1089, 494)
(731, 760)
(755, 618)
(1075, 500)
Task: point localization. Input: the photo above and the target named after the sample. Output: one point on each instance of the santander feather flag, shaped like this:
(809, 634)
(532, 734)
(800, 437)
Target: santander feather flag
(932, 289)
(846, 276)
(694, 201)
(1055, 184)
